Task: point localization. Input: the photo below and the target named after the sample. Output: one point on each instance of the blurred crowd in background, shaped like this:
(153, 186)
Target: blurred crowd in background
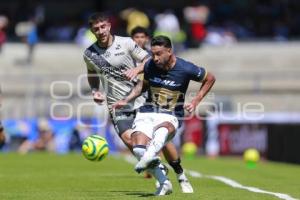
(189, 23)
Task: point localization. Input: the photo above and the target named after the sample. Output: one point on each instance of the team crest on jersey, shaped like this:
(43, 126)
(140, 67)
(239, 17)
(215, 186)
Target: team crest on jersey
(118, 47)
(106, 54)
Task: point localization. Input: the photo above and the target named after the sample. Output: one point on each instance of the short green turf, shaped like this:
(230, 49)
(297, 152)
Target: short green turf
(43, 176)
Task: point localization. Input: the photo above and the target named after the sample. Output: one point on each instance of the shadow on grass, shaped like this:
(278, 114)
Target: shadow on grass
(135, 193)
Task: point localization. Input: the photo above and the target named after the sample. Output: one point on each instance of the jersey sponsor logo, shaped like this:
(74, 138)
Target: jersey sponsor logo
(120, 53)
(164, 82)
(94, 54)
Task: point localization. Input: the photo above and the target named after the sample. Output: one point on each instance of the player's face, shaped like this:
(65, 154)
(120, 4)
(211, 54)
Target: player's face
(161, 56)
(101, 30)
(141, 39)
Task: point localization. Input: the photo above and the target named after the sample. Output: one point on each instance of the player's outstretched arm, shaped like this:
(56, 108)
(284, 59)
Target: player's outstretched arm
(130, 74)
(207, 84)
(135, 92)
(94, 83)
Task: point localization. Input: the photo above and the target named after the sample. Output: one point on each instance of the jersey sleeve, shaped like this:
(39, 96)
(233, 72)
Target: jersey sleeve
(88, 61)
(196, 73)
(135, 51)
(146, 70)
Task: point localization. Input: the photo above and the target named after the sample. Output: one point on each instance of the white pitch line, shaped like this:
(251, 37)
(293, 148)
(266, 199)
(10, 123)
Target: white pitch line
(235, 184)
(227, 181)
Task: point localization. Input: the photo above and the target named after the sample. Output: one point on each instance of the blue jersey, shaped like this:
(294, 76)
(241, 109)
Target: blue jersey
(167, 89)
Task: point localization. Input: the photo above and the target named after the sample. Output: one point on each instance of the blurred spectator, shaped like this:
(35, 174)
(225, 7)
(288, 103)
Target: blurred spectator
(44, 140)
(3, 25)
(32, 16)
(85, 37)
(196, 16)
(134, 18)
(281, 31)
(219, 37)
(167, 24)
(141, 36)
(32, 40)
(27, 31)
(2, 136)
(63, 32)
(194, 131)
(78, 135)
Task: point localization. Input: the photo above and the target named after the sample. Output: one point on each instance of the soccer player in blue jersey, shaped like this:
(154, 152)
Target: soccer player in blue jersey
(141, 37)
(166, 78)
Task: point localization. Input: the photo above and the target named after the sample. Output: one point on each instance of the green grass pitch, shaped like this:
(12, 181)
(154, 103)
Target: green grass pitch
(42, 176)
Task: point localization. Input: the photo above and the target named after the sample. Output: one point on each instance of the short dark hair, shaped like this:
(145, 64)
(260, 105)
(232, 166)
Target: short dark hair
(139, 29)
(97, 17)
(161, 40)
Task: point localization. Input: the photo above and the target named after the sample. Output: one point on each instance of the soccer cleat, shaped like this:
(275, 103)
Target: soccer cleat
(165, 171)
(164, 189)
(184, 183)
(145, 162)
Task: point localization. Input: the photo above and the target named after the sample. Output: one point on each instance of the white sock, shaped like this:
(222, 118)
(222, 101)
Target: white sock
(139, 151)
(182, 177)
(158, 174)
(157, 143)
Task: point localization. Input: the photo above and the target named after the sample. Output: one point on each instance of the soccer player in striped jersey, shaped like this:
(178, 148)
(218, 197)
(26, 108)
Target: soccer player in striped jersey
(112, 60)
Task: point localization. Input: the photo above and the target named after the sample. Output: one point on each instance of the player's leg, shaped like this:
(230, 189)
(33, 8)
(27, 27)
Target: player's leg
(139, 142)
(125, 137)
(171, 155)
(140, 138)
(122, 122)
(162, 133)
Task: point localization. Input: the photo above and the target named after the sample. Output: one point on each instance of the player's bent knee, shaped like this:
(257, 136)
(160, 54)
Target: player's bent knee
(139, 138)
(126, 137)
(167, 125)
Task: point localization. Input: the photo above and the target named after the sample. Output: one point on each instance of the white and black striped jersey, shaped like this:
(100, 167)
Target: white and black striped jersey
(111, 62)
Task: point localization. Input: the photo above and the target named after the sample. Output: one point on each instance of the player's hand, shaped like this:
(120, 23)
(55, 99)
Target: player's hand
(98, 97)
(130, 74)
(119, 104)
(191, 107)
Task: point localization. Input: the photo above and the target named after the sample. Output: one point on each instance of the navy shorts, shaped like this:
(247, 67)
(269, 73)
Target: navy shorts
(122, 120)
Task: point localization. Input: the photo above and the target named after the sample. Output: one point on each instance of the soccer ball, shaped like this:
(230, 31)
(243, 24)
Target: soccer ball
(189, 150)
(251, 157)
(95, 148)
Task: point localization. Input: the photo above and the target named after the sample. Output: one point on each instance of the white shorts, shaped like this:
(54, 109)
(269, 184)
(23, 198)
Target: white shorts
(147, 122)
